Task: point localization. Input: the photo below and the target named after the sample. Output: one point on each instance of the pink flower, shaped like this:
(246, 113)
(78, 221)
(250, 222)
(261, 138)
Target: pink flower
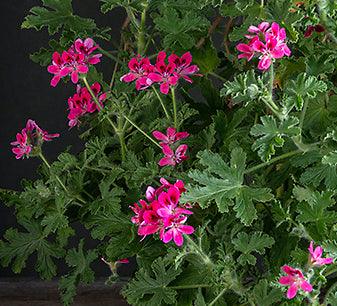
(123, 261)
(315, 256)
(164, 215)
(150, 193)
(82, 103)
(73, 62)
(183, 66)
(268, 43)
(295, 280)
(31, 137)
(164, 74)
(171, 136)
(139, 71)
(173, 158)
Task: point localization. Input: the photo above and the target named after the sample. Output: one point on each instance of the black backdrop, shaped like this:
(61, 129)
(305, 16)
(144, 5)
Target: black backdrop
(26, 94)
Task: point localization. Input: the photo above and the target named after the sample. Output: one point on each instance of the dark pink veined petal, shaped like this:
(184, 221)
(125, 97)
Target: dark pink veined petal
(160, 136)
(286, 280)
(253, 29)
(286, 50)
(289, 270)
(53, 69)
(65, 71)
(95, 59)
(57, 58)
(171, 132)
(174, 59)
(133, 64)
(264, 63)
(173, 80)
(123, 261)
(305, 286)
(181, 135)
(317, 252)
(166, 161)
(164, 88)
(167, 150)
(187, 79)
(74, 77)
(129, 77)
(191, 69)
(161, 56)
(275, 28)
(150, 193)
(182, 149)
(82, 69)
(186, 229)
(292, 291)
(178, 237)
(263, 26)
(167, 237)
(170, 68)
(277, 53)
(155, 77)
(174, 195)
(186, 59)
(55, 80)
(244, 48)
(88, 43)
(96, 88)
(148, 229)
(282, 34)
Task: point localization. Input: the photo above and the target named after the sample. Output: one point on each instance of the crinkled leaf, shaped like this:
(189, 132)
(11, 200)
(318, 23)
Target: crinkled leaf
(272, 134)
(264, 297)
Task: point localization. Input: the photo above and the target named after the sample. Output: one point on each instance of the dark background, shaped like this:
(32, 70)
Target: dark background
(27, 94)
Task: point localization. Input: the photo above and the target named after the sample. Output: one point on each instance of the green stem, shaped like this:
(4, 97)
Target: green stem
(217, 76)
(305, 107)
(218, 296)
(189, 286)
(198, 250)
(140, 130)
(330, 290)
(45, 161)
(161, 102)
(97, 103)
(108, 54)
(174, 107)
(273, 160)
(271, 79)
(141, 33)
(120, 134)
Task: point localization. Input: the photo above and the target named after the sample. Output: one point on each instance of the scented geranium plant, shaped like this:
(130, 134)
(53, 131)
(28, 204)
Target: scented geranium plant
(210, 154)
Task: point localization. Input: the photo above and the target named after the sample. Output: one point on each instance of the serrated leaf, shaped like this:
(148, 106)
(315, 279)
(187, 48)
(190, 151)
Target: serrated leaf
(223, 184)
(178, 28)
(20, 245)
(245, 88)
(81, 272)
(313, 208)
(304, 87)
(206, 58)
(272, 135)
(264, 297)
(109, 5)
(152, 287)
(257, 242)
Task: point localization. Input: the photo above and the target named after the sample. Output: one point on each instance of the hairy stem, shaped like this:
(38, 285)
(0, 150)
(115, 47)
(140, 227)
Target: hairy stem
(174, 107)
(162, 103)
(109, 55)
(217, 76)
(304, 110)
(140, 130)
(218, 297)
(45, 161)
(141, 34)
(273, 160)
(198, 250)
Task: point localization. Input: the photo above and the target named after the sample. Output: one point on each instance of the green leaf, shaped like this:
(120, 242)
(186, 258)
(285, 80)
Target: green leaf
(109, 5)
(20, 245)
(245, 88)
(206, 58)
(272, 135)
(81, 272)
(57, 14)
(313, 208)
(223, 184)
(257, 242)
(264, 298)
(304, 87)
(178, 28)
(152, 287)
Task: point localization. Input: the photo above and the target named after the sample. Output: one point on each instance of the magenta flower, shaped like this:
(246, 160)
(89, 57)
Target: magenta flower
(184, 69)
(73, 62)
(171, 136)
(164, 74)
(295, 280)
(31, 137)
(315, 256)
(139, 71)
(164, 214)
(173, 158)
(268, 43)
(123, 261)
(82, 103)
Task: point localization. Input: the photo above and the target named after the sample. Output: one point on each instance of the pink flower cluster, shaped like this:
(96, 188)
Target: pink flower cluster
(295, 278)
(163, 214)
(167, 74)
(267, 42)
(32, 136)
(82, 103)
(173, 156)
(73, 62)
